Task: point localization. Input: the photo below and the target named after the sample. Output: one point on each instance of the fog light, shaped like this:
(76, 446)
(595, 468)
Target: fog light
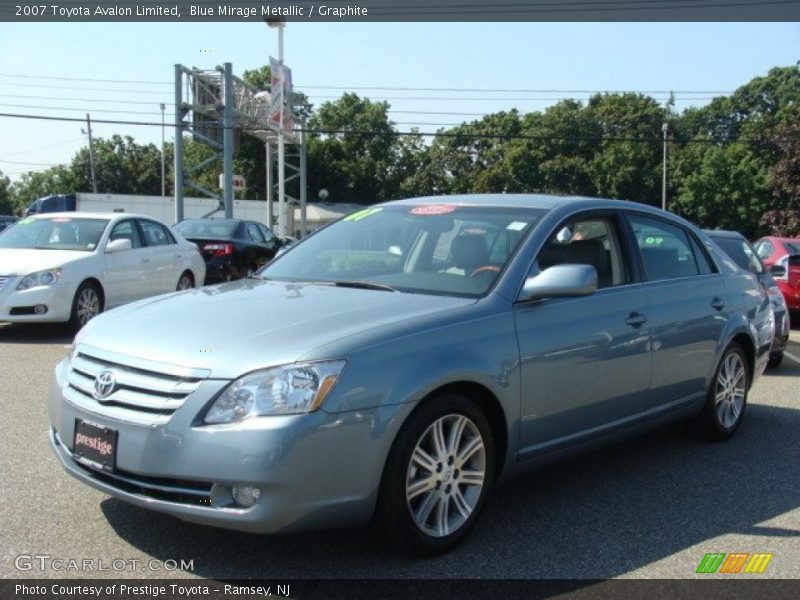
(245, 495)
(40, 309)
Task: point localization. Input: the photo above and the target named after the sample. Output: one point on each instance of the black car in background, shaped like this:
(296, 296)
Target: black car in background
(6, 222)
(743, 254)
(232, 248)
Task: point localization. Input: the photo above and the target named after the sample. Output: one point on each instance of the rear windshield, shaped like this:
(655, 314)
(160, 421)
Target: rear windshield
(741, 253)
(206, 228)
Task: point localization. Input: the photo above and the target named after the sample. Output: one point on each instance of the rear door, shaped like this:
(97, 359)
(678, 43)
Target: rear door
(687, 309)
(584, 362)
(165, 262)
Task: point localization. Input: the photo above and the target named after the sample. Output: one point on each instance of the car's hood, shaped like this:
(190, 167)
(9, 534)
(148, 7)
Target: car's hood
(237, 327)
(21, 261)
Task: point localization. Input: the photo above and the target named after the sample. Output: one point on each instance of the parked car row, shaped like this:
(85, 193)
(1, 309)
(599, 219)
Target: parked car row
(401, 361)
(69, 267)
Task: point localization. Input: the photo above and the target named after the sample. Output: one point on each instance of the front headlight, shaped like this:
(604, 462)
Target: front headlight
(286, 390)
(39, 278)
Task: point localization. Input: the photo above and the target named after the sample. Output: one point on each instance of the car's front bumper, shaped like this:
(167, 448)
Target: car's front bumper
(18, 306)
(314, 471)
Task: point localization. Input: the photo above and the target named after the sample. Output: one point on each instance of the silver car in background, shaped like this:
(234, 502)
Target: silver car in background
(401, 361)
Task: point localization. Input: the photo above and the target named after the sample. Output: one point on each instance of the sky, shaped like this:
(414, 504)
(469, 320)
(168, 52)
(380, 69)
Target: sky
(46, 67)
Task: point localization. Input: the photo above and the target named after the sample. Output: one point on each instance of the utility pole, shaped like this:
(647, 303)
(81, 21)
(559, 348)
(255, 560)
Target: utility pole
(163, 165)
(91, 152)
(178, 145)
(665, 131)
(279, 25)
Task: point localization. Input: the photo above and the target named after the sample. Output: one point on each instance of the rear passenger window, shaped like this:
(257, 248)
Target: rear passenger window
(666, 250)
(156, 234)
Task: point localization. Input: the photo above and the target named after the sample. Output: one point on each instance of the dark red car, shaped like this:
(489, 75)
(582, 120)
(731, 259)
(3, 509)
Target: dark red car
(783, 252)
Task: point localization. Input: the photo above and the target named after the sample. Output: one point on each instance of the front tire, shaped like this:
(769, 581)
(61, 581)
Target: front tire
(437, 476)
(727, 395)
(87, 304)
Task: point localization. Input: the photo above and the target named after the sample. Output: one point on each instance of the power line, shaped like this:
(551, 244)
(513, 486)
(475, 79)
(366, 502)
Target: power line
(109, 100)
(17, 162)
(495, 99)
(503, 90)
(447, 134)
(125, 81)
(94, 110)
(65, 142)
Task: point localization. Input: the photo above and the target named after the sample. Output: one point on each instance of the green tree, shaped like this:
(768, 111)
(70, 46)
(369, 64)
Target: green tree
(354, 151)
(7, 204)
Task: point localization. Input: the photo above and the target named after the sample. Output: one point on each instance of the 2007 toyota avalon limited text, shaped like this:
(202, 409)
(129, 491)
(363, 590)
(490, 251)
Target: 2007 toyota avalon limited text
(398, 363)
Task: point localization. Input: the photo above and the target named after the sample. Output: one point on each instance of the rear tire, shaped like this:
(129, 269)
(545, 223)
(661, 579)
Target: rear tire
(437, 476)
(775, 360)
(727, 396)
(185, 282)
(87, 304)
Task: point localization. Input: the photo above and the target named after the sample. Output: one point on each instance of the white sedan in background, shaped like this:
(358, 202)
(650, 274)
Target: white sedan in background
(60, 267)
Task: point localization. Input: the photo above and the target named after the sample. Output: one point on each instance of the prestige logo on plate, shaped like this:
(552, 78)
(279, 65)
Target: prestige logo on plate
(95, 443)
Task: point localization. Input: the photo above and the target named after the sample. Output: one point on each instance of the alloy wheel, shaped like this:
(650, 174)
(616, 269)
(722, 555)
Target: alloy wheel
(445, 476)
(730, 390)
(88, 305)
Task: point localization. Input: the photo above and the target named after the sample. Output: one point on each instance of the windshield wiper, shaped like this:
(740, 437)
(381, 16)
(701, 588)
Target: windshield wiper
(364, 285)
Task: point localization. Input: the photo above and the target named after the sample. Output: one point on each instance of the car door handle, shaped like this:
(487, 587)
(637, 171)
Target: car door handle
(636, 320)
(718, 304)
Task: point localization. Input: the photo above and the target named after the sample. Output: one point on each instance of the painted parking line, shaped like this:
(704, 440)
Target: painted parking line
(792, 356)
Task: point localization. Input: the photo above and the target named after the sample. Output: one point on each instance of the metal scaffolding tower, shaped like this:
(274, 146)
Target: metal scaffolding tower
(215, 107)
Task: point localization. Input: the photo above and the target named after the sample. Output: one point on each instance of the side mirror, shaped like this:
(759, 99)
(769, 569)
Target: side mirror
(118, 245)
(560, 281)
(778, 271)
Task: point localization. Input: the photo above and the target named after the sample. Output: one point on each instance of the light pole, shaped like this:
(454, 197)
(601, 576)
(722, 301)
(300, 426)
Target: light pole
(665, 131)
(163, 165)
(88, 131)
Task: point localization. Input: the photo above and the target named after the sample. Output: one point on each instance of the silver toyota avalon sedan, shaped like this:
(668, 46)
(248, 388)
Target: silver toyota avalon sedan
(403, 360)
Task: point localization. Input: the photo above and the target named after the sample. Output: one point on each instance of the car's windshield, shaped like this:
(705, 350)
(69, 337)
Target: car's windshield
(55, 233)
(206, 228)
(792, 248)
(436, 249)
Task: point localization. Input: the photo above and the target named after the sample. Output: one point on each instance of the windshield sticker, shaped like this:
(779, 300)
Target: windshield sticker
(517, 226)
(61, 220)
(27, 221)
(363, 214)
(475, 231)
(433, 209)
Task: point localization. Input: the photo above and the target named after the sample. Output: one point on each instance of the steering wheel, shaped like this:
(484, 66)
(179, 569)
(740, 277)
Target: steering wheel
(484, 269)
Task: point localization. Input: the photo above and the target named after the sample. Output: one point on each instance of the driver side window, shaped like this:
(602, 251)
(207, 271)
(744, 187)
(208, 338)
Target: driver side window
(590, 241)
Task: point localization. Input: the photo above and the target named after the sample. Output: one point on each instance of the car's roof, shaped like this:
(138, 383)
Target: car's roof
(540, 201)
(724, 233)
(91, 215)
(781, 239)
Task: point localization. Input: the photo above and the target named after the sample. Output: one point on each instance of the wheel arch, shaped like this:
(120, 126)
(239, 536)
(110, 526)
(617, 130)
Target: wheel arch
(488, 402)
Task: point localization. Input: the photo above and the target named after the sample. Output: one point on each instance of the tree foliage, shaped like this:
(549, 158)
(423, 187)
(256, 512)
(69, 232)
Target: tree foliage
(734, 163)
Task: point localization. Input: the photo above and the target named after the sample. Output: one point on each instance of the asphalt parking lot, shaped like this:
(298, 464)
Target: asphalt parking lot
(648, 508)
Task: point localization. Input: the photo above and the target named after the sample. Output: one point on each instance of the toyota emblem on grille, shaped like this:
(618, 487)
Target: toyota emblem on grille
(104, 385)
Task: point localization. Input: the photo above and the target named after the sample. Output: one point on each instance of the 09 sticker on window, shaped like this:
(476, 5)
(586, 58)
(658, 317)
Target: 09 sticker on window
(517, 226)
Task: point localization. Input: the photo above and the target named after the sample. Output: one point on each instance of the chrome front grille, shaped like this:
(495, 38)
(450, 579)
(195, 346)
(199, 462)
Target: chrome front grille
(4, 279)
(140, 395)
